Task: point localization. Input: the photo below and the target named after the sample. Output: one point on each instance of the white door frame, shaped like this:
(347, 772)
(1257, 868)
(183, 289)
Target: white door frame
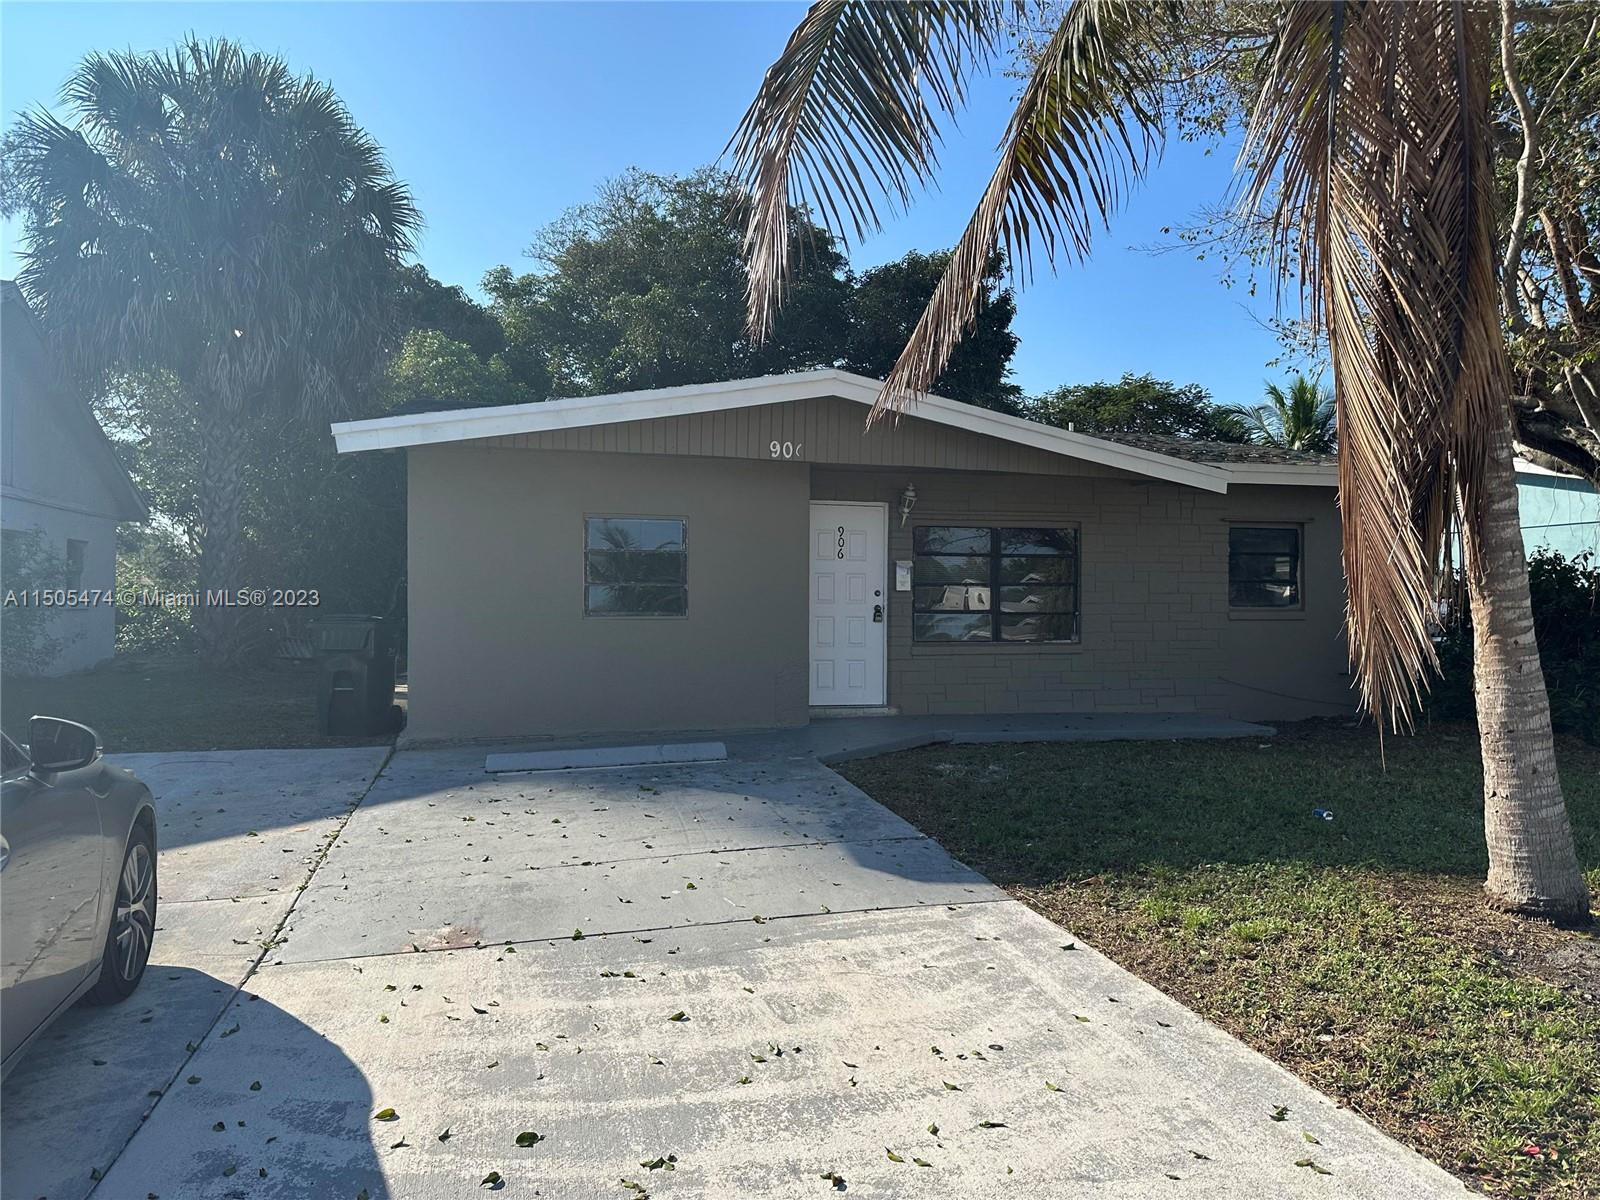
(882, 587)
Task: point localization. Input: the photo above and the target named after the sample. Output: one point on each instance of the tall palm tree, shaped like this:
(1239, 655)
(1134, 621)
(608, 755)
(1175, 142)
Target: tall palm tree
(1369, 157)
(209, 214)
(1302, 418)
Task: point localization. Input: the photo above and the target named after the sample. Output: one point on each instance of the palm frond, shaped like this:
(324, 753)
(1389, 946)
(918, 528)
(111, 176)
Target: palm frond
(849, 114)
(1371, 146)
(1084, 127)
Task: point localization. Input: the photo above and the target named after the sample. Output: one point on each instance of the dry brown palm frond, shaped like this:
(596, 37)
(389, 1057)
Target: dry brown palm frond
(1371, 147)
(1085, 124)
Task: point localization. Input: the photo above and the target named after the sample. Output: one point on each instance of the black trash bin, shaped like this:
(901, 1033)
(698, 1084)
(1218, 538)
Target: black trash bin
(355, 686)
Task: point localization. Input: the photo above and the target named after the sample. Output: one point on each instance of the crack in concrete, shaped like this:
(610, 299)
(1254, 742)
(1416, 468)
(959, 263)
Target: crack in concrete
(610, 933)
(267, 944)
(676, 854)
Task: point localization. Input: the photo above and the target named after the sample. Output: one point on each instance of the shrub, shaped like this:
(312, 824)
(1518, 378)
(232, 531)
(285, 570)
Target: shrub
(152, 561)
(29, 635)
(1566, 619)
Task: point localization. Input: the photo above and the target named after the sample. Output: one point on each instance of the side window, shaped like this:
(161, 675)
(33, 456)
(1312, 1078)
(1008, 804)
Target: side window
(1264, 566)
(635, 567)
(76, 550)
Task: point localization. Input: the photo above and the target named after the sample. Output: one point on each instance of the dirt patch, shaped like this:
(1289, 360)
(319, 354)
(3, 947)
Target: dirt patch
(1565, 958)
(448, 937)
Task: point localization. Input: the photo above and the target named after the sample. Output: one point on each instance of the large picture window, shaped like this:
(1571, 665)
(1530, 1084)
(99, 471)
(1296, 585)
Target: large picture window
(635, 567)
(976, 584)
(1263, 566)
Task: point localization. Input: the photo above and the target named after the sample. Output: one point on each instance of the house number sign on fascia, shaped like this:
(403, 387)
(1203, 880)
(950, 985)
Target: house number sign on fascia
(786, 449)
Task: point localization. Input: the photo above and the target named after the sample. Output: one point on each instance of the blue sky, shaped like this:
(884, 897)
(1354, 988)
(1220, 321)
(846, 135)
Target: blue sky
(501, 115)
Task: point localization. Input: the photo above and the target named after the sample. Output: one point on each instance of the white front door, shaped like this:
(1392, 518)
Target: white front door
(849, 564)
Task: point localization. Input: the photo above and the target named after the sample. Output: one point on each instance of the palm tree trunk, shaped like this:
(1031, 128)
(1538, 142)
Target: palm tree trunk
(1533, 867)
(219, 628)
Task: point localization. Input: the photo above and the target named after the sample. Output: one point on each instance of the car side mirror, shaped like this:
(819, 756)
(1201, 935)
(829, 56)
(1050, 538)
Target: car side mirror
(55, 745)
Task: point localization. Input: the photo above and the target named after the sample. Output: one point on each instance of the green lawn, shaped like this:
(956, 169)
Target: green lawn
(172, 704)
(1357, 951)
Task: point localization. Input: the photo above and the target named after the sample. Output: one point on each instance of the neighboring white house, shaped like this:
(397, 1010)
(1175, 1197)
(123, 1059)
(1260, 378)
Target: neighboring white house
(60, 476)
(1559, 512)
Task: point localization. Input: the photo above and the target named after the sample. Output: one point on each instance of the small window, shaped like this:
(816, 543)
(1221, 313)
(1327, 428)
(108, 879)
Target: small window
(973, 584)
(635, 567)
(1263, 567)
(75, 554)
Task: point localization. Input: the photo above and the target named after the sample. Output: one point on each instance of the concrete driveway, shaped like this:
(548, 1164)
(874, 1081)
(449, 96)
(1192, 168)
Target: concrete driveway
(739, 979)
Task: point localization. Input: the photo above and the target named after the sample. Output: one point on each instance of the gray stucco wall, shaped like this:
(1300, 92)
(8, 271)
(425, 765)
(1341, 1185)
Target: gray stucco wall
(500, 645)
(1157, 632)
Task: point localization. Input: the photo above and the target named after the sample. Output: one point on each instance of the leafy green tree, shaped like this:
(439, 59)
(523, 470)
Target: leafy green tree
(1543, 126)
(889, 299)
(422, 302)
(433, 371)
(214, 217)
(645, 288)
(153, 558)
(1137, 404)
(1302, 418)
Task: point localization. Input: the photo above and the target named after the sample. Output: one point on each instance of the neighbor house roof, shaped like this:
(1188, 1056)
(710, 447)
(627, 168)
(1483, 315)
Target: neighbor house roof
(1247, 462)
(469, 424)
(74, 413)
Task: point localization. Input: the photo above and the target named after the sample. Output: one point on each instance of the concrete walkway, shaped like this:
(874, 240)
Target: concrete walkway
(745, 971)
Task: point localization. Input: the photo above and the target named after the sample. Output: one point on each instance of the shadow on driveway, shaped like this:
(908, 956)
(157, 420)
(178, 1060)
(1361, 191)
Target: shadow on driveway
(165, 1066)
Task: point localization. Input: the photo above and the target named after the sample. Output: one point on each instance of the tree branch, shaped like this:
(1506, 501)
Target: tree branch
(1530, 134)
(1561, 260)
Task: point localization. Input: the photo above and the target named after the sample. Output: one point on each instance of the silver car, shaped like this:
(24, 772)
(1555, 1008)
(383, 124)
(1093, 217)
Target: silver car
(77, 879)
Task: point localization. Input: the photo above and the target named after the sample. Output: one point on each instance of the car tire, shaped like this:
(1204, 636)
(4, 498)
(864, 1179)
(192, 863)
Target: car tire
(133, 923)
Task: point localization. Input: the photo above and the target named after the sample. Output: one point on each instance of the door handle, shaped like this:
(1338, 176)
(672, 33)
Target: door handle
(877, 614)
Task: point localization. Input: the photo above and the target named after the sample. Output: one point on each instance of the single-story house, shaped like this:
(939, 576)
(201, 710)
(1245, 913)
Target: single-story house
(61, 485)
(752, 554)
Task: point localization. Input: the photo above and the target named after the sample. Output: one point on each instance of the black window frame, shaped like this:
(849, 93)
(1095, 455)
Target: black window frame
(682, 588)
(1298, 557)
(996, 584)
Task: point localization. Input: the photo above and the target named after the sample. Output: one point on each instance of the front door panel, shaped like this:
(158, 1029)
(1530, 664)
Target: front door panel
(849, 554)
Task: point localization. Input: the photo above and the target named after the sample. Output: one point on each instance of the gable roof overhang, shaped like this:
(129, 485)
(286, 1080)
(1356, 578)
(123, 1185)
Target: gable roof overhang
(68, 408)
(471, 424)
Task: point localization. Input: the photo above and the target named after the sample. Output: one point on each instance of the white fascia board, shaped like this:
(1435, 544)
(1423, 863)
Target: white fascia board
(1285, 474)
(423, 429)
(470, 424)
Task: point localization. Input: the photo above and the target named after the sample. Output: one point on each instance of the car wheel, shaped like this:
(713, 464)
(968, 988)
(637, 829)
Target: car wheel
(133, 923)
